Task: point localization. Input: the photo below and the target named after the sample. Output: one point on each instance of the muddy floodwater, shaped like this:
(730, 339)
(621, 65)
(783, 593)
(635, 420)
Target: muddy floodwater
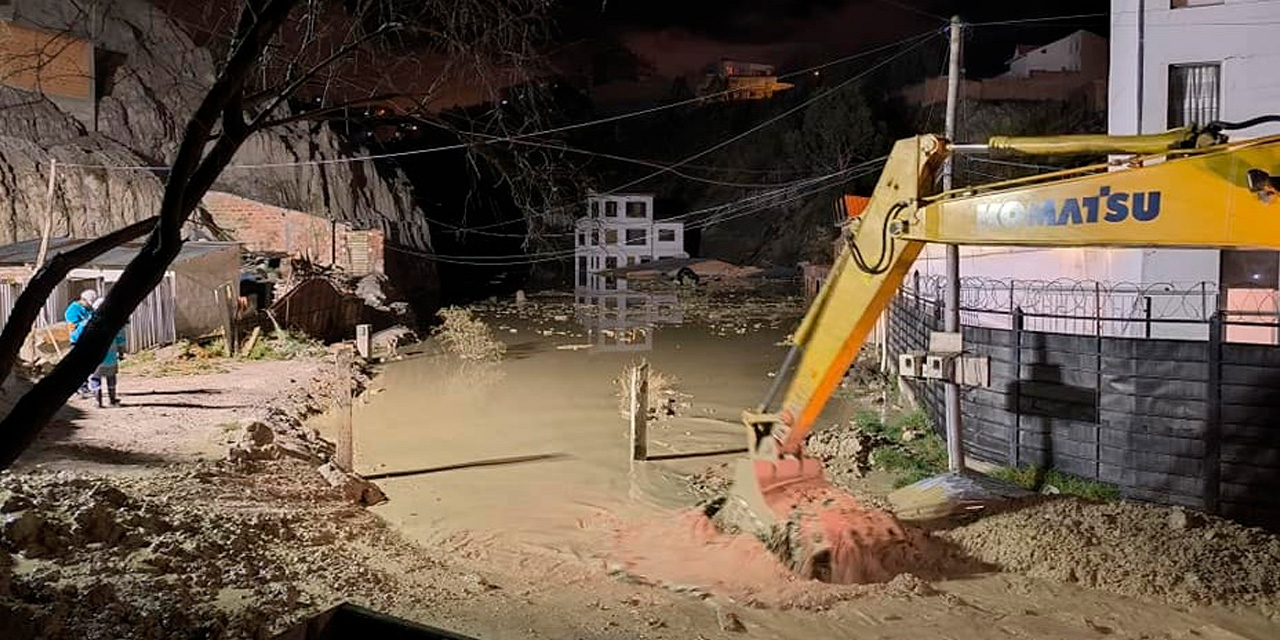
(544, 431)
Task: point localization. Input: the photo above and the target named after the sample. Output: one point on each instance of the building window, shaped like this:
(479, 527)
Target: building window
(644, 259)
(1193, 94)
(582, 271)
(595, 237)
(1250, 269)
(666, 235)
(611, 209)
(611, 263)
(582, 238)
(611, 236)
(637, 210)
(637, 237)
(595, 208)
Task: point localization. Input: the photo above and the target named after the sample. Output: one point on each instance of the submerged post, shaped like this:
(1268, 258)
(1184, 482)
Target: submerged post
(364, 340)
(344, 456)
(639, 411)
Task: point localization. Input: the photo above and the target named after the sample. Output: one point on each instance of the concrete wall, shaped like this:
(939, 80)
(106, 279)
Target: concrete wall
(198, 312)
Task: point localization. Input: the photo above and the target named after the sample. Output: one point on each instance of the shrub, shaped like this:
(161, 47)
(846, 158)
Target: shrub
(466, 336)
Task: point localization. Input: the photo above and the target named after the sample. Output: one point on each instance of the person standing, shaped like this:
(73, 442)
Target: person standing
(108, 371)
(77, 316)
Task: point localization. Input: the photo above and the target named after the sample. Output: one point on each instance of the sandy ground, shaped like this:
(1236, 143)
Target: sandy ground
(160, 540)
(163, 419)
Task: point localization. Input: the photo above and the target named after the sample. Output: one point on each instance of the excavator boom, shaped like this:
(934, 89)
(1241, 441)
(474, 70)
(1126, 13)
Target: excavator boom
(1197, 192)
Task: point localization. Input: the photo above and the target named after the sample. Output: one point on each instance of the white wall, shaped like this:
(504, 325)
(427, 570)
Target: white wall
(1239, 35)
(1060, 55)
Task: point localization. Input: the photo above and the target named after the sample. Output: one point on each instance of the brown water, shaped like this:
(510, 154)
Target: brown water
(544, 401)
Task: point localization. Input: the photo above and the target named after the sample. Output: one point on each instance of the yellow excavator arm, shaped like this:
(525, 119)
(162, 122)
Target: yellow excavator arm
(1192, 189)
(1218, 196)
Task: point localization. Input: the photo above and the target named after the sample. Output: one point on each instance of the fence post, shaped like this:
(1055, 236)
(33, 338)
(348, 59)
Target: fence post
(915, 289)
(1097, 397)
(1146, 314)
(639, 412)
(344, 456)
(1213, 417)
(1015, 434)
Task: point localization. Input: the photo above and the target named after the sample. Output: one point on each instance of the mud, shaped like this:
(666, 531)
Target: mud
(205, 551)
(1177, 556)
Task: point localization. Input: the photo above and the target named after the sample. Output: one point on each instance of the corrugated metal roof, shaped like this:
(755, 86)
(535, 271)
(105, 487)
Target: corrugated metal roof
(25, 252)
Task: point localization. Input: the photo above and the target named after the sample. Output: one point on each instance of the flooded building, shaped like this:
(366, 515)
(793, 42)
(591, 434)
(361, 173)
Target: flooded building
(619, 231)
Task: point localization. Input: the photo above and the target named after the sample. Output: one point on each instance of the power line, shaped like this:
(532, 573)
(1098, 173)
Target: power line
(911, 9)
(918, 41)
(1075, 16)
(463, 145)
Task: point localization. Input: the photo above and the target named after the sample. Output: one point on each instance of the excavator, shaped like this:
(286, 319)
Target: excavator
(1189, 187)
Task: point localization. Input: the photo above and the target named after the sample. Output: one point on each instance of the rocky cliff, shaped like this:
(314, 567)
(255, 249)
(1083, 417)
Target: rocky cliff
(149, 77)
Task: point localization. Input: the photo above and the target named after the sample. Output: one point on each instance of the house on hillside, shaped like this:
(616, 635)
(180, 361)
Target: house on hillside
(1070, 68)
(191, 301)
(738, 80)
(619, 230)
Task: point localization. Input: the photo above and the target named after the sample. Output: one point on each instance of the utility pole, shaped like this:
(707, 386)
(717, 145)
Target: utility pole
(955, 443)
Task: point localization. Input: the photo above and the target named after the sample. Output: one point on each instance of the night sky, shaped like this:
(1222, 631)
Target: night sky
(680, 36)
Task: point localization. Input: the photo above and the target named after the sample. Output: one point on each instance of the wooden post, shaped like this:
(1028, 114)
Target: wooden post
(364, 337)
(639, 412)
(344, 457)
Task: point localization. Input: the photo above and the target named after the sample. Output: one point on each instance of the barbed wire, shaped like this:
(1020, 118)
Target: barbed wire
(1097, 300)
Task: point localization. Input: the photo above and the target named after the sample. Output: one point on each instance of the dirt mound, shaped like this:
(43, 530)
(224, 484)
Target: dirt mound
(150, 558)
(1133, 549)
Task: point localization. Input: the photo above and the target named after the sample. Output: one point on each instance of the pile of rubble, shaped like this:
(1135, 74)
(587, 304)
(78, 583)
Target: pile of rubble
(155, 557)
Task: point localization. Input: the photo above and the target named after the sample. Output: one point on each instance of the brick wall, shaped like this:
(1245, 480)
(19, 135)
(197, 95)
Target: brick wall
(55, 64)
(263, 227)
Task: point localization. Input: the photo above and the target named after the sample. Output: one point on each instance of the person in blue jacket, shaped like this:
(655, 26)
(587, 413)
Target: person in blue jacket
(77, 315)
(109, 369)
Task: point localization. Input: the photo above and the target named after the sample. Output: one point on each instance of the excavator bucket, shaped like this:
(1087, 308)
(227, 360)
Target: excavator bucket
(816, 530)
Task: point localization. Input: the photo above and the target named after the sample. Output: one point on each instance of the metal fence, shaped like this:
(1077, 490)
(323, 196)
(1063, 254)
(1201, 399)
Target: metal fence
(152, 323)
(1178, 421)
(1081, 307)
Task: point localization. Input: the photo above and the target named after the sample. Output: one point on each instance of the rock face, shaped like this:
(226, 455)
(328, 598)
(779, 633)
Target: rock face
(150, 77)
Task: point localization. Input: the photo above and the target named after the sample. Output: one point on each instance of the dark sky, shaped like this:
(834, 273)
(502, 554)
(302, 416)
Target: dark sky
(680, 35)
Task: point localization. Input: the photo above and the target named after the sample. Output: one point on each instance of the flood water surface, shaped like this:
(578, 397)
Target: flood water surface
(534, 445)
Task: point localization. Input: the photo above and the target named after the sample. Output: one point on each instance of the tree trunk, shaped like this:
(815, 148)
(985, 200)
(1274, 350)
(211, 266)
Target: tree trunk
(27, 307)
(195, 167)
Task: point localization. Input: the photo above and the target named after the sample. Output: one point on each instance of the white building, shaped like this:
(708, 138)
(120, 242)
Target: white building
(1181, 62)
(1077, 52)
(1172, 63)
(619, 231)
